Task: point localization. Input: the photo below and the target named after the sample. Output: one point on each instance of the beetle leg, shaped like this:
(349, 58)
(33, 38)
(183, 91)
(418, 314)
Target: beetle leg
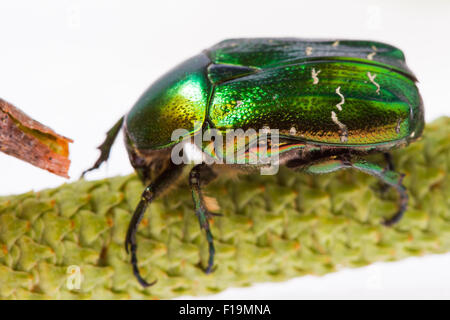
(201, 175)
(389, 163)
(164, 180)
(389, 166)
(105, 147)
(389, 177)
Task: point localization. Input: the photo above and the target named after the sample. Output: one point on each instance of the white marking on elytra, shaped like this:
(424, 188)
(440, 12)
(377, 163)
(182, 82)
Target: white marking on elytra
(413, 134)
(397, 128)
(335, 44)
(308, 51)
(343, 127)
(372, 54)
(238, 103)
(372, 79)
(314, 75)
(339, 105)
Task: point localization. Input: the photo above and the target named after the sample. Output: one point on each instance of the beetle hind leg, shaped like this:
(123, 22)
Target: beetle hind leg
(389, 166)
(201, 175)
(388, 177)
(389, 161)
(162, 183)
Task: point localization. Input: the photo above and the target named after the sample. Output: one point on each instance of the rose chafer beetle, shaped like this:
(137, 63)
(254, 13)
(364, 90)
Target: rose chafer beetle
(333, 101)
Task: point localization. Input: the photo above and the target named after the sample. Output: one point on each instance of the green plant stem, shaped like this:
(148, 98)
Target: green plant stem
(274, 228)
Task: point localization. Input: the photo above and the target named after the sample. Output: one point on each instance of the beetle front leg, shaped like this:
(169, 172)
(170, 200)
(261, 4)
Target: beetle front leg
(164, 180)
(105, 147)
(201, 175)
(389, 177)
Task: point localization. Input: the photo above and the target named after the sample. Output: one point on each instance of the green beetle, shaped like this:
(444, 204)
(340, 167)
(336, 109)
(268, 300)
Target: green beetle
(332, 101)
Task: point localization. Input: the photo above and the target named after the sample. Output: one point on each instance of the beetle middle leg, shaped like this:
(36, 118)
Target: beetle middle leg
(201, 175)
(161, 183)
(388, 177)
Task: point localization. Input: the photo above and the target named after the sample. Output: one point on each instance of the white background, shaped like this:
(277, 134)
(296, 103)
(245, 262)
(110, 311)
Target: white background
(78, 66)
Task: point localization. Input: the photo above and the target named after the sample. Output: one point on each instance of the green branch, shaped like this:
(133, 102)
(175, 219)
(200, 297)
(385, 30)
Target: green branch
(274, 228)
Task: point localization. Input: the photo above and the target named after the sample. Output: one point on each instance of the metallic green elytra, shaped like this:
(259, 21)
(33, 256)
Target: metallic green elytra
(333, 101)
(353, 93)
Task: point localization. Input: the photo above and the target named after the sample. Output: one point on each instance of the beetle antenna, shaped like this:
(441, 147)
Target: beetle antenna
(105, 147)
